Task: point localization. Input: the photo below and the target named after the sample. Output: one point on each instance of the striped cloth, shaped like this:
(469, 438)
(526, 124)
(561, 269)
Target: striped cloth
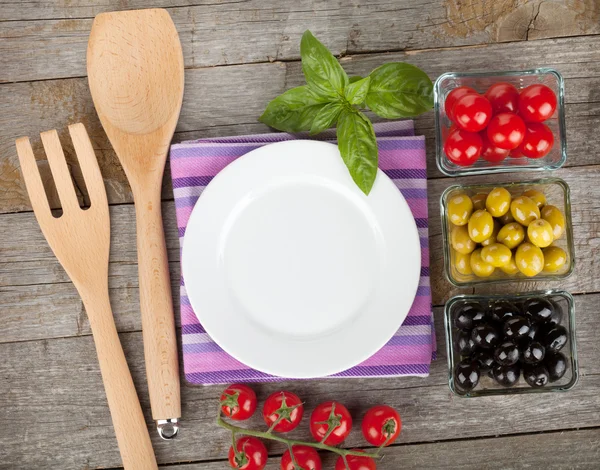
(402, 158)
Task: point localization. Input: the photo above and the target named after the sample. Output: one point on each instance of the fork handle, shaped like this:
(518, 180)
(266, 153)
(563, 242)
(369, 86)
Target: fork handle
(156, 304)
(127, 417)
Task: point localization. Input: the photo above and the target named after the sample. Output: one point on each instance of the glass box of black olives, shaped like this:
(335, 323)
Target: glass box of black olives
(502, 232)
(511, 343)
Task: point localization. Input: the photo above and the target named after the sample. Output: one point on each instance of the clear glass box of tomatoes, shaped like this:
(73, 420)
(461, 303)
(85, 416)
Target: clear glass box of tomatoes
(545, 349)
(556, 194)
(543, 137)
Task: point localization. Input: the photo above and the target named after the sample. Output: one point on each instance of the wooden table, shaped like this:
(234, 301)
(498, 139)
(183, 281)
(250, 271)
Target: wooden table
(239, 55)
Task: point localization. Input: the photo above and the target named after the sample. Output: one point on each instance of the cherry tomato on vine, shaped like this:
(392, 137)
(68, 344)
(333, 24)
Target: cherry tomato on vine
(503, 97)
(472, 112)
(238, 402)
(283, 411)
(306, 457)
(330, 423)
(381, 425)
(506, 131)
(462, 147)
(251, 454)
(538, 140)
(356, 462)
(453, 97)
(489, 151)
(537, 103)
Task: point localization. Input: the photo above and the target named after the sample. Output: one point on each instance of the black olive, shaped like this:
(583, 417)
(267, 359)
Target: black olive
(502, 310)
(538, 309)
(556, 338)
(464, 343)
(534, 352)
(515, 328)
(556, 317)
(467, 374)
(507, 353)
(467, 314)
(485, 360)
(485, 336)
(506, 376)
(534, 329)
(556, 364)
(536, 375)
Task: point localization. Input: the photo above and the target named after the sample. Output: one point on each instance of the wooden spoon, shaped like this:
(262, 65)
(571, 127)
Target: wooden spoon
(135, 73)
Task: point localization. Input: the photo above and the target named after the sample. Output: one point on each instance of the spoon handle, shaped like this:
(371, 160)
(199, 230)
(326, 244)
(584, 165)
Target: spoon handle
(158, 321)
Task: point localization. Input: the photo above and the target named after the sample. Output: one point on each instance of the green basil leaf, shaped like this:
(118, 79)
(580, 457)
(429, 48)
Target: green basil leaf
(358, 146)
(356, 92)
(326, 117)
(294, 110)
(354, 78)
(399, 90)
(324, 74)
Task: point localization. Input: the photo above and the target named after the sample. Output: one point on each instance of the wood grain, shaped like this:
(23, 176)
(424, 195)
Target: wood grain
(553, 450)
(210, 108)
(49, 387)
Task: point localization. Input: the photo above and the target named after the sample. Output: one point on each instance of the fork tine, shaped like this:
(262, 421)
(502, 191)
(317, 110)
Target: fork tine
(33, 180)
(60, 171)
(88, 164)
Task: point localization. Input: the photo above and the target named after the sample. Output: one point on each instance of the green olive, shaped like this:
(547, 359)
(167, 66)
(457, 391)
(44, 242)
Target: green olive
(529, 259)
(536, 196)
(494, 234)
(506, 218)
(481, 226)
(511, 235)
(479, 201)
(460, 240)
(479, 266)
(540, 233)
(496, 254)
(510, 268)
(460, 208)
(556, 218)
(524, 210)
(462, 263)
(554, 258)
(498, 202)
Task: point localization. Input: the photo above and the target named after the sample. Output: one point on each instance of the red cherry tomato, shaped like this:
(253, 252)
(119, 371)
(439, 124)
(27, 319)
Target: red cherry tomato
(381, 425)
(538, 140)
(503, 97)
(330, 423)
(516, 153)
(472, 112)
(506, 131)
(537, 103)
(356, 462)
(489, 151)
(251, 454)
(306, 457)
(462, 147)
(453, 97)
(238, 402)
(285, 409)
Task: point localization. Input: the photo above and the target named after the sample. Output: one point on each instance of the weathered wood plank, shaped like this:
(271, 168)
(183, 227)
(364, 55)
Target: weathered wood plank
(228, 100)
(221, 33)
(553, 450)
(54, 388)
(27, 259)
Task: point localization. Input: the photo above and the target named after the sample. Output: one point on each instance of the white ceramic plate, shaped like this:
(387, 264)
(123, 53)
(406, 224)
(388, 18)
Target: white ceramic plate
(291, 269)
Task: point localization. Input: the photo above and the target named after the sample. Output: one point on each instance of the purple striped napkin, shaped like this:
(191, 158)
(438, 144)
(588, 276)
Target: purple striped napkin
(402, 158)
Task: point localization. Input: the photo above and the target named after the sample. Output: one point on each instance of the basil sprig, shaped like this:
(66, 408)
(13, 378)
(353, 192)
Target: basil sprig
(394, 90)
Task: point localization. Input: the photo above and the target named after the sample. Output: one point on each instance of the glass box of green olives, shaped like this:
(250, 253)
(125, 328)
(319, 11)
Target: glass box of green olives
(511, 343)
(502, 232)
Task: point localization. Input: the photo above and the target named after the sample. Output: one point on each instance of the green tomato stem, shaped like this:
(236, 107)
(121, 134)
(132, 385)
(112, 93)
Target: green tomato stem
(289, 442)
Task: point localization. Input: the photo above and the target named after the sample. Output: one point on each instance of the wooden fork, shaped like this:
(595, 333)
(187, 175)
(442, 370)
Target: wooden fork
(80, 239)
